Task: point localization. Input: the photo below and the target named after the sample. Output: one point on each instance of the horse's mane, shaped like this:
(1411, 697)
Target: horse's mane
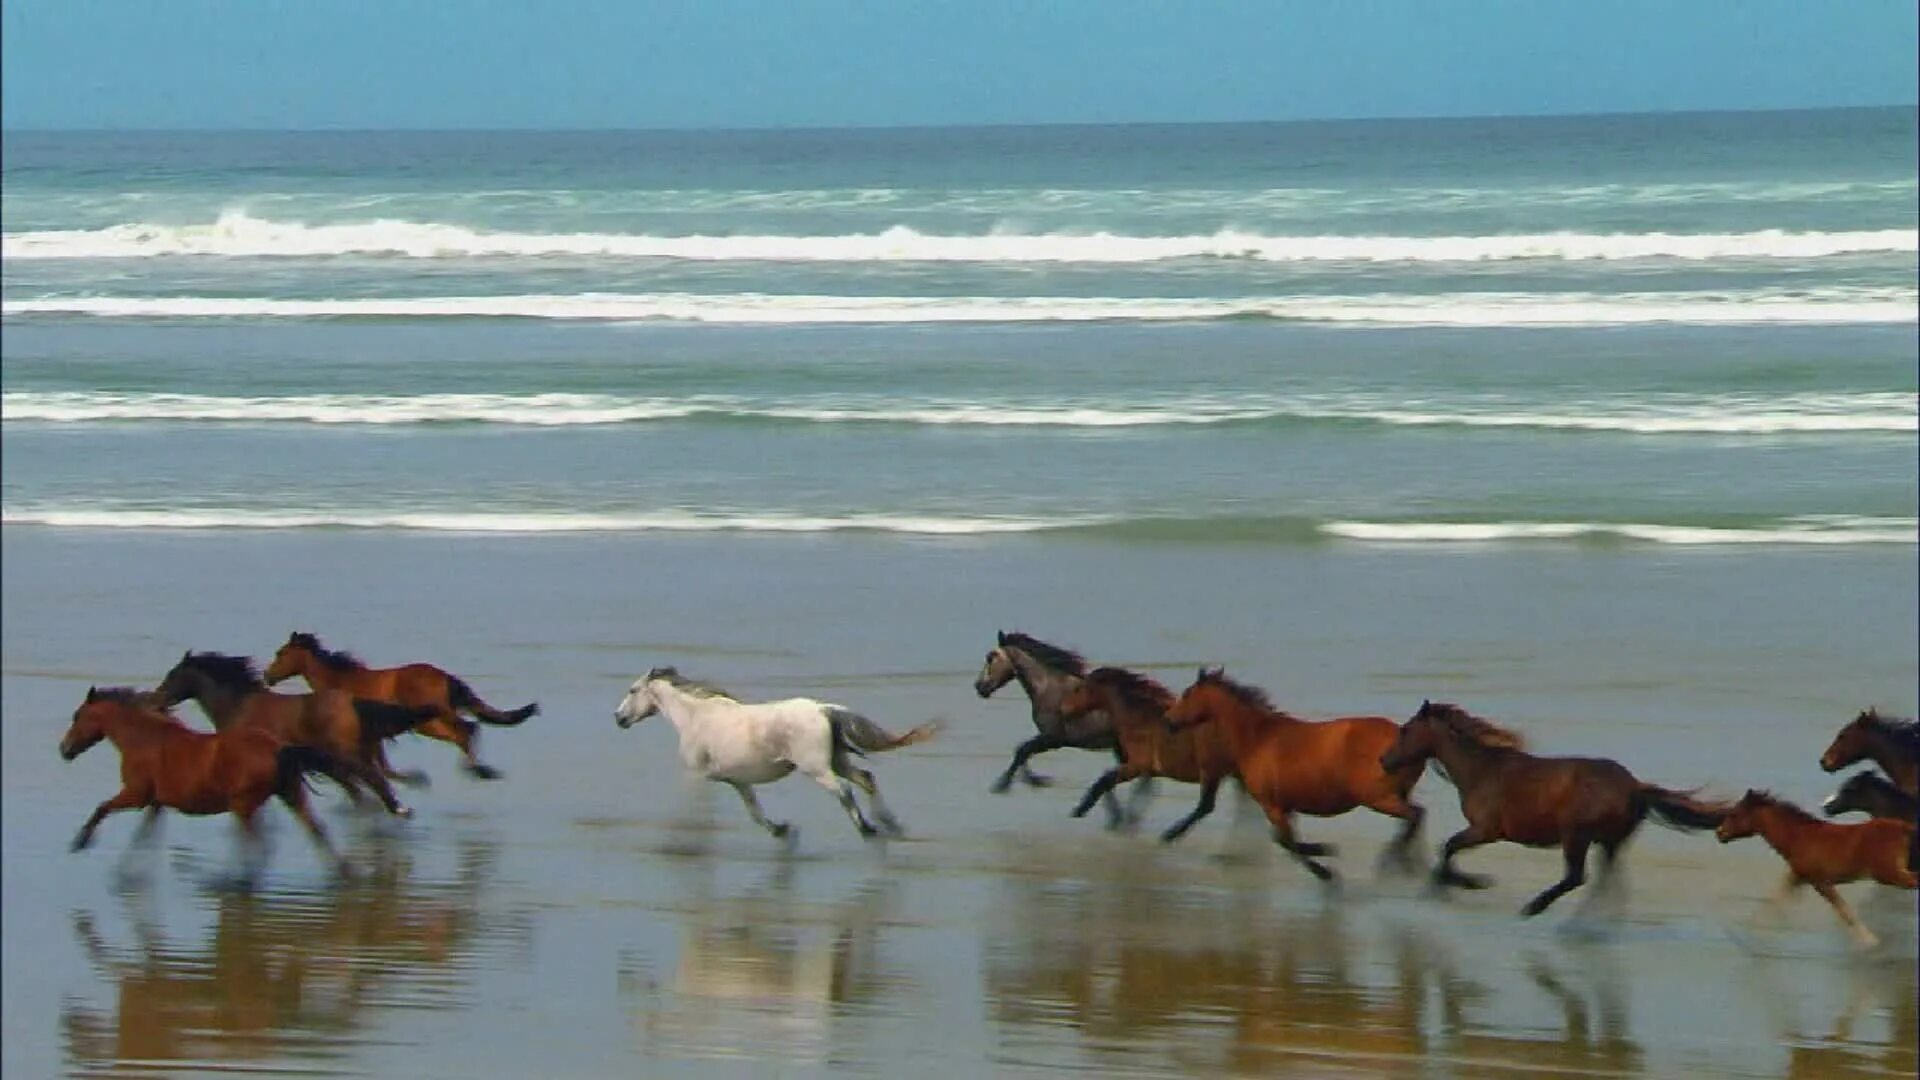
(691, 687)
(1869, 781)
(224, 669)
(337, 659)
(133, 698)
(1483, 733)
(1251, 696)
(1052, 656)
(1762, 797)
(1907, 731)
(1136, 690)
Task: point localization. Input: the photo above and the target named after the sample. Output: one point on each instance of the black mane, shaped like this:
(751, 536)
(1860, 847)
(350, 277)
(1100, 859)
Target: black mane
(1906, 731)
(225, 670)
(1136, 690)
(337, 659)
(1052, 656)
(1251, 696)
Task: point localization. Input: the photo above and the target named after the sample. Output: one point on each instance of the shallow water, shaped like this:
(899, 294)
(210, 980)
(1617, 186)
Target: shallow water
(592, 914)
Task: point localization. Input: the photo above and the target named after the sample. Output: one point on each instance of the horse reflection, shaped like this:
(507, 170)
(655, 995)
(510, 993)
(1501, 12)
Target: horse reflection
(763, 975)
(284, 976)
(1146, 970)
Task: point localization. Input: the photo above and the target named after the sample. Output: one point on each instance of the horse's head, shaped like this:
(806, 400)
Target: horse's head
(1744, 819)
(184, 680)
(997, 672)
(1852, 743)
(1419, 739)
(89, 724)
(639, 702)
(1860, 792)
(1207, 699)
(292, 658)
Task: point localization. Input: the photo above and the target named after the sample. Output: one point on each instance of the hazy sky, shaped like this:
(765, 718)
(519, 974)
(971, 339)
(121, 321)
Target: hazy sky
(732, 63)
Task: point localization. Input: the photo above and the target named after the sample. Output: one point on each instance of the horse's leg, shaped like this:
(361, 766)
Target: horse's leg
(780, 829)
(449, 727)
(1862, 936)
(1033, 779)
(1398, 855)
(1136, 809)
(142, 839)
(1445, 874)
(253, 844)
(1103, 788)
(1039, 744)
(1576, 852)
(295, 796)
(124, 799)
(1770, 910)
(410, 777)
(1209, 790)
(843, 790)
(1305, 852)
(864, 780)
(363, 767)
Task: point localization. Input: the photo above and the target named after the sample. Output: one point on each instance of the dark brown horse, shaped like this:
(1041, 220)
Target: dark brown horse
(165, 765)
(1138, 706)
(1892, 744)
(1509, 794)
(1824, 853)
(230, 692)
(1876, 797)
(1293, 766)
(414, 685)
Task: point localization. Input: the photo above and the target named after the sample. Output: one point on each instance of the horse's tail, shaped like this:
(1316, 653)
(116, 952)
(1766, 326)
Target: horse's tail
(297, 762)
(462, 697)
(862, 736)
(384, 719)
(1679, 809)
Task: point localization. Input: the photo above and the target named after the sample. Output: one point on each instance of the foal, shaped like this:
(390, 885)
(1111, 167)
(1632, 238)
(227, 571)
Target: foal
(1509, 794)
(1824, 854)
(1148, 747)
(164, 764)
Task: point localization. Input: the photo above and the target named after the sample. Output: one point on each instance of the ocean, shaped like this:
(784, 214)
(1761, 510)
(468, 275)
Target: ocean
(1605, 428)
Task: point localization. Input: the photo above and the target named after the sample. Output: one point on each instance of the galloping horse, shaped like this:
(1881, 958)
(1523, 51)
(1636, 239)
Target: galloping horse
(1824, 854)
(1894, 745)
(1047, 672)
(230, 692)
(1509, 794)
(1148, 747)
(417, 685)
(1292, 766)
(1876, 797)
(166, 765)
(742, 745)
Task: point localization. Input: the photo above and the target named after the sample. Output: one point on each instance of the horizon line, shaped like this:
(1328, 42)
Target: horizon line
(1006, 125)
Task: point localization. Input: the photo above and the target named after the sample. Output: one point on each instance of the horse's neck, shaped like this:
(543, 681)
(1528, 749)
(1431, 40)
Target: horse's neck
(322, 676)
(1467, 762)
(689, 715)
(220, 702)
(1779, 827)
(1045, 687)
(132, 730)
(1894, 758)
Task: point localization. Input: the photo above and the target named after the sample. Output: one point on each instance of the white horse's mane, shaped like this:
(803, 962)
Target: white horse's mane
(692, 687)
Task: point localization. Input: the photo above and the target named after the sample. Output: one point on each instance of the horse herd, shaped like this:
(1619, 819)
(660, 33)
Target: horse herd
(266, 744)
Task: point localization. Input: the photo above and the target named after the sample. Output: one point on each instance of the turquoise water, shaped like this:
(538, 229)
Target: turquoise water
(1691, 329)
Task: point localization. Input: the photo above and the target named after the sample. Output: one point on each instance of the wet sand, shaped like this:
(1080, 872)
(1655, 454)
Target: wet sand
(593, 914)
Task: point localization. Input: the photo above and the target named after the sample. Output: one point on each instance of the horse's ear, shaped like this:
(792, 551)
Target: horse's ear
(1425, 704)
(93, 694)
(1000, 637)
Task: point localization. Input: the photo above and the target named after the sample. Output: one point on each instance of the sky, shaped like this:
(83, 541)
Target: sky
(576, 64)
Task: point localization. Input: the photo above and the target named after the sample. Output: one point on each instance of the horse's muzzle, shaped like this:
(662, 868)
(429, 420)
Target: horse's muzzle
(624, 722)
(1828, 763)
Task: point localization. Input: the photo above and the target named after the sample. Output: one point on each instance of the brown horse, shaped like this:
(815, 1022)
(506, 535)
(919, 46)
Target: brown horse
(1894, 745)
(1291, 766)
(1823, 853)
(1138, 706)
(418, 685)
(1509, 794)
(231, 694)
(166, 765)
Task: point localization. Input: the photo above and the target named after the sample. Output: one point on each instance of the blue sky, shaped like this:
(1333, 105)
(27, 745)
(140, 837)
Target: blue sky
(730, 63)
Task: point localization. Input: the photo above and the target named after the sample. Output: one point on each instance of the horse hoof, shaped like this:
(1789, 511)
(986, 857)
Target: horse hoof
(79, 843)
(1038, 781)
(483, 772)
(1000, 786)
(343, 872)
(403, 811)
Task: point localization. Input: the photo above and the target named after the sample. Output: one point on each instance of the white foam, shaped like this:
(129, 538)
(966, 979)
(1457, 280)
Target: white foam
(1828, 530)
(1839, 304)
(237, 233)
(1721, 414)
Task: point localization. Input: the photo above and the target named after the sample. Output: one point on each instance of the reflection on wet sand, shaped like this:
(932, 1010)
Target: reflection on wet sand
(286, 977)
(762, 974)
(1152, 973)
(1872, 1034)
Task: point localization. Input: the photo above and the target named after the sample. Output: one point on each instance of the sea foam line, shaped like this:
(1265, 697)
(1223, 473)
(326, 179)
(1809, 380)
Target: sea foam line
(1722, 414)
(236, 233)
(1840, 304)
(1825, 530)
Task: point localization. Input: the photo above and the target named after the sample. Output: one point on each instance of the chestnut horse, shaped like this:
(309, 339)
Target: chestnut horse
(419, 685)
(166, 765)
(1509, 794)
(230, 692)
(1290, 765)
(1894, 745)
(1876, 797)
(1823, 853)
(1137, 706)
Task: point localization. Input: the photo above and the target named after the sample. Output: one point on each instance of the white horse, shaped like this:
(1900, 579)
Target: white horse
(742, 745)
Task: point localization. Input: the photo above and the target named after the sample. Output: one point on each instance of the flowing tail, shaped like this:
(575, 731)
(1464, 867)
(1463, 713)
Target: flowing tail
(297, 762)
(462, 697)
(384, 719)
(1680, 809)
(863, 736)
